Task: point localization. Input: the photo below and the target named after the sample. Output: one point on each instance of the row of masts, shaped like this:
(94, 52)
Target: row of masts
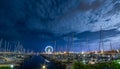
(70, 42)
(16, 47)
(101, 43)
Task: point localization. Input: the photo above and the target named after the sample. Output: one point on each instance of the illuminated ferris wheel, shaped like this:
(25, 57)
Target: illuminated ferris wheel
(49, 49)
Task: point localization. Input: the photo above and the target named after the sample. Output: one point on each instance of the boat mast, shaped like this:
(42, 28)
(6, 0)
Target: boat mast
(73, 42)
(55, 46)
(111, 46)
(68, 45)
(101, 45)
(5, 46)
(88, 45)
(1, 45)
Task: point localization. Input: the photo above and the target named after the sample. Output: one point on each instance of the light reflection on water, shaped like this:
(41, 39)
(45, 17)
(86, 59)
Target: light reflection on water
(37, 61)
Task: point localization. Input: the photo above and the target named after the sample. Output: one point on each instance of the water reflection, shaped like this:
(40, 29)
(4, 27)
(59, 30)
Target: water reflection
(36, 62)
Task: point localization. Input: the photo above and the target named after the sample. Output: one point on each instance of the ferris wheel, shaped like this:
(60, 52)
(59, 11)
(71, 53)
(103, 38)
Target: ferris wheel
(49, 49)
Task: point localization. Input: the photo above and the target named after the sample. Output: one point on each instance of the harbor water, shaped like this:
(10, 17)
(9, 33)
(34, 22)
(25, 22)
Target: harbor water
(36, 62)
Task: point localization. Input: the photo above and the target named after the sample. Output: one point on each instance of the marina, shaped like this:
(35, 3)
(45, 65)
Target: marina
(59, 34)
(68, 59)
(12, 57)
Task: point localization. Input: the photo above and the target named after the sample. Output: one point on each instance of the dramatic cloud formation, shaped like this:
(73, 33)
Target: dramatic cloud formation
(41, 21)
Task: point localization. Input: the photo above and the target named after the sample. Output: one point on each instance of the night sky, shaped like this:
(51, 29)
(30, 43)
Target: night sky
(38, 23)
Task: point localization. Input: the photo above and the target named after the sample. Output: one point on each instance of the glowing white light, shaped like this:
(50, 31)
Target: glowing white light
(43, 67)
(119, 62)
(118, 51)
(12, 66)
(65, 52)
(49, 49)
(82, 52)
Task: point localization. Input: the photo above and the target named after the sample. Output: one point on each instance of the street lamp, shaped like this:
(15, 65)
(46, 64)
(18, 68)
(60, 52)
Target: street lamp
(119, 62)
(44, 67)
(11, 66)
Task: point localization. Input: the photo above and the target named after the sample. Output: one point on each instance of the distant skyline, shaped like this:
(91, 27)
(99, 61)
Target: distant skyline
(38, 23)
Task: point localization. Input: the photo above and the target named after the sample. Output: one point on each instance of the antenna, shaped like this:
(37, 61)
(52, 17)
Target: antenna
(88, 45)
(55, 47)
(68, 45)
(1, 44)
(5, 46)
(111, 46)
(101, 45)
(80, 45)
(73, 42)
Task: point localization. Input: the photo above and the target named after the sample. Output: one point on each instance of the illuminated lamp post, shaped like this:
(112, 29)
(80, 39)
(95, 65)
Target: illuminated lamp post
(44, 67)
(11, 66)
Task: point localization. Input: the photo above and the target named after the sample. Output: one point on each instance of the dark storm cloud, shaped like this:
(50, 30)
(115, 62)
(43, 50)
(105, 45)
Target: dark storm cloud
(56, 19)
(86, 5)
(91, 36)
(23, 16)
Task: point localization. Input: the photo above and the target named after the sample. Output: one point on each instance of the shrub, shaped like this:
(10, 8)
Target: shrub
(5, 68)
(105, 65)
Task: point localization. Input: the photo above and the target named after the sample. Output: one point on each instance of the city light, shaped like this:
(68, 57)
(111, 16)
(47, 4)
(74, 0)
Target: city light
(82, 52)
(12, 66)
(65, 52)
(44, 67)
(118, 51)
(60, 34)
(119, 62)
